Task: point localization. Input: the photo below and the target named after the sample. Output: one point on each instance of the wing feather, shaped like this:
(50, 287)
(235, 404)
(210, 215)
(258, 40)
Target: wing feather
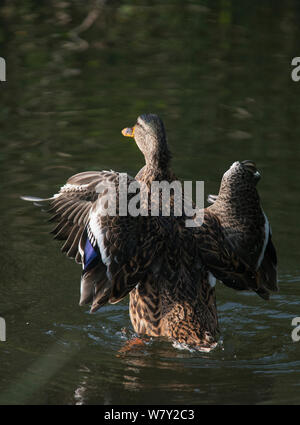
(268, 268)
(223, 262)
(116, 252)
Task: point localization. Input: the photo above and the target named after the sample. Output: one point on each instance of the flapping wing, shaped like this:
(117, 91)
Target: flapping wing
(223, 261)
(116, 251)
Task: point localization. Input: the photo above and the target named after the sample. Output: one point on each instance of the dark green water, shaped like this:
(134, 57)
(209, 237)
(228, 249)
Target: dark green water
(218, 73)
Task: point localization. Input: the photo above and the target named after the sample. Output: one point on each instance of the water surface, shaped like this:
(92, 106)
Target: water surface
(218, 73)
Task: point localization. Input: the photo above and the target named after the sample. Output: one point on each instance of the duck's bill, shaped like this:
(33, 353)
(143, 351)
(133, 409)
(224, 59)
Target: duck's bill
(128, 132)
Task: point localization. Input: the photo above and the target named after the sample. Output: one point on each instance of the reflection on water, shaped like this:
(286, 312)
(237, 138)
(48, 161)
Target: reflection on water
(219, 75)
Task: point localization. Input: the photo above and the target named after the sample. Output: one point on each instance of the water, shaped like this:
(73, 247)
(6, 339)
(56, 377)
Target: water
(218, 73)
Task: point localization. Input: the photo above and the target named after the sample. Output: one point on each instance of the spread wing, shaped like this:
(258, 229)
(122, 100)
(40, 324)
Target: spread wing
(257, 250)
(116, 251)
(225, 262)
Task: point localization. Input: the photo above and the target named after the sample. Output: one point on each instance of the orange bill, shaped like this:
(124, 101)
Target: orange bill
(128, 132)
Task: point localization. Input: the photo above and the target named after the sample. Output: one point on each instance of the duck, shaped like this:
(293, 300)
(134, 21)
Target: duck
(168, 269)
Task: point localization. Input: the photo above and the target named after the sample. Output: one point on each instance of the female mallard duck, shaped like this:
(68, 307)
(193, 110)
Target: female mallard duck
(168, 269)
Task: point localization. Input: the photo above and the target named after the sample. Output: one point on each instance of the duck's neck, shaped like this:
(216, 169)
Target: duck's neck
(157, 167)
(148, 174)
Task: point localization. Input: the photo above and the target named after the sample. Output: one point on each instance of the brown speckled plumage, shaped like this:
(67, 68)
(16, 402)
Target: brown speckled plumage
(245, 225)
(166, 268)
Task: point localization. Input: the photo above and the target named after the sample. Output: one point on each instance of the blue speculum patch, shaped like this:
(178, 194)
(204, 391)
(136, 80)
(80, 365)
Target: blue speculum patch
(90, 254)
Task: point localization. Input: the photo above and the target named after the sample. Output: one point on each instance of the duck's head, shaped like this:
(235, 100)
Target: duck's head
(150, 136)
